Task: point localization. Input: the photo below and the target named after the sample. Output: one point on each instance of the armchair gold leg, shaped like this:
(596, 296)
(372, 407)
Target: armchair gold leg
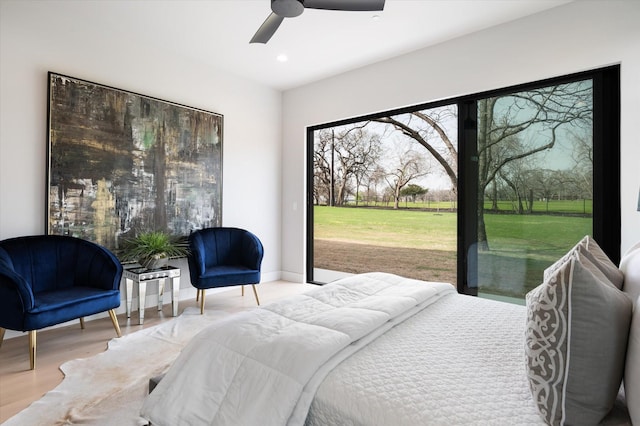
(255, 292)
(82, 323)
(202, 302)
(32, 349)
(114, 320)
(242, 290)
(2, 330)
(197, 294)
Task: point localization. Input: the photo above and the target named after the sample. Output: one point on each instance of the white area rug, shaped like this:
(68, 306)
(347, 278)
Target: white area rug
(108, 389)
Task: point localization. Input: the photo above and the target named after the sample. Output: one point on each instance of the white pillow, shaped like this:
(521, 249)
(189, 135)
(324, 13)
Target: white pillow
(632, 371)
(575, 344)
(630, 267)
(632, 248)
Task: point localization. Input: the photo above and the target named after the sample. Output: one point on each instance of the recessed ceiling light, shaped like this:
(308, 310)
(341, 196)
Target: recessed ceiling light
(282, 58)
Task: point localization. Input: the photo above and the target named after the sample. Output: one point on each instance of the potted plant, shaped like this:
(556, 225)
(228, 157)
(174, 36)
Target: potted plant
(152, 249)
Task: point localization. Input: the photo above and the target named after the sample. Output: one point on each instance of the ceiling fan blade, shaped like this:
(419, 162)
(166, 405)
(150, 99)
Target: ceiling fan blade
(267, 29)
(355, 5)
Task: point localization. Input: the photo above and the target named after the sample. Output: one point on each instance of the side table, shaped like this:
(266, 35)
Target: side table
(141, 276)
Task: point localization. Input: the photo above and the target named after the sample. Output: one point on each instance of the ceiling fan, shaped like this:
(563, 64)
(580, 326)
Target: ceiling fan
(292, 8)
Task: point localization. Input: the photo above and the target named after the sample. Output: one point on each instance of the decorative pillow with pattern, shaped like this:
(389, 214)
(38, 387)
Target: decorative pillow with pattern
(594, 252)
(590, 249)
(575, 344)
(560, 262)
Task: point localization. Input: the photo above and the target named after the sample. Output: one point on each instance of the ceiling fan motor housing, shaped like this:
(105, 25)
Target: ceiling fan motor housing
(291, 8)
(287, 8)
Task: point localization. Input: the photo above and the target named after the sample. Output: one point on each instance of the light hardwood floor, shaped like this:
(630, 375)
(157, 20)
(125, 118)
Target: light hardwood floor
(20, 386)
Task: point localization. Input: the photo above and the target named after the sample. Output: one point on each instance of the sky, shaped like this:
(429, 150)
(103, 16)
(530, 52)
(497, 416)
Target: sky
(560, 157)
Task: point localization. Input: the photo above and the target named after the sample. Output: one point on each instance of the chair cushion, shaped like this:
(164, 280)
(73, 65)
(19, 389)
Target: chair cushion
(222, 276)
(575, 344)
(55, 307)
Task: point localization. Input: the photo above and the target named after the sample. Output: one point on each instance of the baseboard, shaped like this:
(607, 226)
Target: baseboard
(291, 277)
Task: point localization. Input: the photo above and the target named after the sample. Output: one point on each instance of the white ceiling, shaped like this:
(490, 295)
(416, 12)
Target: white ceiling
(318, 43)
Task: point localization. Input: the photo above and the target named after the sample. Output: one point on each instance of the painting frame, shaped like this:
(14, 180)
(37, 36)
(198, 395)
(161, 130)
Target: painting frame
(120, 163)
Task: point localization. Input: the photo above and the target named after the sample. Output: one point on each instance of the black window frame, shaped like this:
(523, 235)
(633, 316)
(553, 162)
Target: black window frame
(606, 168)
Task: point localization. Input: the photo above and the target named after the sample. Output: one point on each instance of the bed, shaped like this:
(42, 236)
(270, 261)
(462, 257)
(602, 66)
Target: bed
(379, 349)
(466, 367)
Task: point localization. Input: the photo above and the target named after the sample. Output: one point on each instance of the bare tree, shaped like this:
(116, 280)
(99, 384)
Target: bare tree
(371, 182)
(342, 159)
(429, 130)
(409, 165)
(503, 120)
(322, 168)
(547, 183)
(583, 163)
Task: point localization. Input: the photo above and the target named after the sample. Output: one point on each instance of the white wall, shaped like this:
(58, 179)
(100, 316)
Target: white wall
(36, 37)
(575, 37)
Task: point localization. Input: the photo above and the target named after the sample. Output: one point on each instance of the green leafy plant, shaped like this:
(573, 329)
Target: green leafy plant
(150, 246)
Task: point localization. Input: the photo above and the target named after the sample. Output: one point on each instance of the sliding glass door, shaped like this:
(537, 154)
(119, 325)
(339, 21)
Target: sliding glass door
(541, 171)
(484, 191)
(534, 183)
(384, 196)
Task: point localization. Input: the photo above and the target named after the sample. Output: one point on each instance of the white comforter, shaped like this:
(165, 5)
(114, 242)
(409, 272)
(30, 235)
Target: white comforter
(262, 367)
(458, 362)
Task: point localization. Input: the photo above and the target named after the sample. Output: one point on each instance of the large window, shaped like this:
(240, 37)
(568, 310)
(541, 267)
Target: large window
(483, 191)
(385, 195)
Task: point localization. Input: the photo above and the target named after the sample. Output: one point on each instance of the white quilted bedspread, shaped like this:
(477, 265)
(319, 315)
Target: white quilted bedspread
(262, 367)
(458, 362)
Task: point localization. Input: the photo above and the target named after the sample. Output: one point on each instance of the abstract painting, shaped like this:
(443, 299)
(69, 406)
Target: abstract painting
(120, 163)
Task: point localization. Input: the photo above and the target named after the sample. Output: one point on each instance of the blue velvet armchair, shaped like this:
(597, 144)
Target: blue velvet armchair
(222, 257)
(50, 279)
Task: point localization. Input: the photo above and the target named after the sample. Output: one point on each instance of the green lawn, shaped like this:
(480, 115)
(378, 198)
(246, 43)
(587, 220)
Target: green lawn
(540, 236)
(393, 228)
(521, 246)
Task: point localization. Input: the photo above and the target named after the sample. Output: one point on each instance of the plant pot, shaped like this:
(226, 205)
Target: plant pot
(154, 262)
